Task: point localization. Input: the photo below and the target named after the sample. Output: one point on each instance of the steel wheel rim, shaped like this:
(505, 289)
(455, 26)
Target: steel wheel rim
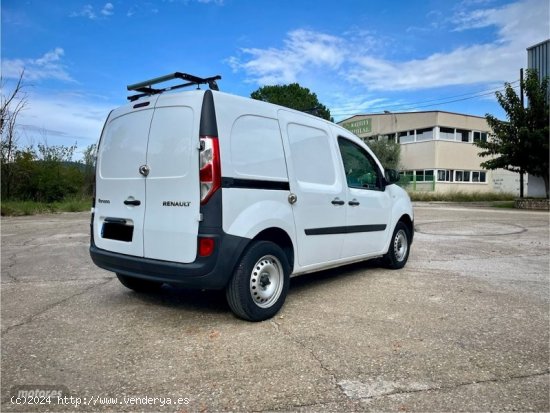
(400, 245)
(266, 281)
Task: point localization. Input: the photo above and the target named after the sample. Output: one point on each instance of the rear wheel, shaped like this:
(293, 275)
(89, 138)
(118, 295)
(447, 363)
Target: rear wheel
(138, 284)
(260, 282)
(398, 252)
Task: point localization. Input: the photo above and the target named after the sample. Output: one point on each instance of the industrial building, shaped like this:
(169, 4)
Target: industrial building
(437, 150)
(538, 58)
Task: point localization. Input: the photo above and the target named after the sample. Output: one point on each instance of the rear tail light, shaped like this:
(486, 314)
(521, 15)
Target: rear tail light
(209, 167)
(206, 246)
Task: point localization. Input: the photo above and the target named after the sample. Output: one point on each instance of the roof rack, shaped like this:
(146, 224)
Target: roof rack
(145, 88)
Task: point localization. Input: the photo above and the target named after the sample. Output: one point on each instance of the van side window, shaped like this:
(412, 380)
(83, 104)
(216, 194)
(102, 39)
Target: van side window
(361, 170)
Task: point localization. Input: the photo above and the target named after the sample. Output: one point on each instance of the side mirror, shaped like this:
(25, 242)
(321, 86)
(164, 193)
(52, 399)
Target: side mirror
(392, 176)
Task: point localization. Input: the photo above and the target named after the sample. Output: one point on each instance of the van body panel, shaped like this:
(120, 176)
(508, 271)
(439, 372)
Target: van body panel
(374, 215)
(259, 211)
(257, 149)
(312, 159)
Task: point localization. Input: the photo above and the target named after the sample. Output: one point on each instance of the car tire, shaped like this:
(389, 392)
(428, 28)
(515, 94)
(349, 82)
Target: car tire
(398, 251)
(138, 284)
(259, 285)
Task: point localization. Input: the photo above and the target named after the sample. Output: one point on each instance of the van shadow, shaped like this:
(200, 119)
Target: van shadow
(214, 301)
(185, 299)
(320, 279)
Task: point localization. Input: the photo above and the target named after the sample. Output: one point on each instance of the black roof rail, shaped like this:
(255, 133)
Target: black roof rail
(145, 88)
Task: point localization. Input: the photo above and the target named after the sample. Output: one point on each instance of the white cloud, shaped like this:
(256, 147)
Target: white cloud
(108, 9)
(48, 66)
(518, 26)
(302, 50)
(87, 11)
(62, 119)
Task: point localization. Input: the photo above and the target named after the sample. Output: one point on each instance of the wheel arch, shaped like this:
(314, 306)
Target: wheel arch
(281, 238)
(406, 219)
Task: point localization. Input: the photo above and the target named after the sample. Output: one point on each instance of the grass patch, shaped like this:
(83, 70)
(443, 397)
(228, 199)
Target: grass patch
(21, 208)
(503, 204)
(459, 196)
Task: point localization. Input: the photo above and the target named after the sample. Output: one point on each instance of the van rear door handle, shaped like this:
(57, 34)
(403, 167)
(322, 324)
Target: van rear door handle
(337, 201)
(133, 202)
(353, 202)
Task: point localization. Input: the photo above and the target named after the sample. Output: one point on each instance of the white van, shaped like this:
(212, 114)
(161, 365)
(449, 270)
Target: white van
(208, 190)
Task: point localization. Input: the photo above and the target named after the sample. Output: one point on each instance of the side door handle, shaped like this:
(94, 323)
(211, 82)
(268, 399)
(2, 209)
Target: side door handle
(133, 202)
(337, 201)
(354, 202)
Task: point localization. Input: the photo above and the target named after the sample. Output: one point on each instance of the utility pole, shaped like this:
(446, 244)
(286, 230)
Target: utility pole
(521, 147)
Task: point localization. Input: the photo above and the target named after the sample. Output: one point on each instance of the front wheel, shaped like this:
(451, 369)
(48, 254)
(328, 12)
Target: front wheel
(398, 252)
(260, 282)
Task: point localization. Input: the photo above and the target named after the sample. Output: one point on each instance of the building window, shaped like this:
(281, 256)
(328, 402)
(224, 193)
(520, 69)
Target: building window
(420, 175)
(447, 134)
(480, 136)
(424, 134)
(405, 137)
(479, 176)
(463, 135)
(444, 175)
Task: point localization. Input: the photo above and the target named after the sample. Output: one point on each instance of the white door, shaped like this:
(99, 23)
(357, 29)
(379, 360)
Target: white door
(172, 186)
(368, 205)
(120, 191)
(319, 210)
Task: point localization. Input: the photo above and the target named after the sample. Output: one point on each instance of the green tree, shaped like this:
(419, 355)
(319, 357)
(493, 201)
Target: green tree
(388, 152)
(292, 96)
(57, 175)
(521, 143)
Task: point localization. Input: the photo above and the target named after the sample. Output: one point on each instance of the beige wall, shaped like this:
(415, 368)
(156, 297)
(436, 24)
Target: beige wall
(455, 120)
(456, 155)
(389, 123)
(440, 155)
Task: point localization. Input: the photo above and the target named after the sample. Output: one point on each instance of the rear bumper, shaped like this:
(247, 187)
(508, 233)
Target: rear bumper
(213, 272)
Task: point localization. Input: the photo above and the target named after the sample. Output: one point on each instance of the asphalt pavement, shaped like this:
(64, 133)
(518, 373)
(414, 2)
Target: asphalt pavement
(463, 327)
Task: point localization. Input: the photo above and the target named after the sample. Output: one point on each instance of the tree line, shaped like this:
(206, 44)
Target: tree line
(48, 173)
(45, 173)
(41, 173)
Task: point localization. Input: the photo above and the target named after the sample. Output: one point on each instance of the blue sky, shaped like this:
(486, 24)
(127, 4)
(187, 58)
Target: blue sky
(357, 56)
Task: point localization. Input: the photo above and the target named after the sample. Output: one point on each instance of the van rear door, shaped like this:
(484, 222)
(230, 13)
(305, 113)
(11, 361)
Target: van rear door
(120, 188)
(173, 191)
(148, 193)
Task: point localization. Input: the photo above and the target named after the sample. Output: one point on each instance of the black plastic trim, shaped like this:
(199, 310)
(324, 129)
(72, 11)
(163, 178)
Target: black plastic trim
(345, 230)
(208, 123)
(255, 184)
(213, 272)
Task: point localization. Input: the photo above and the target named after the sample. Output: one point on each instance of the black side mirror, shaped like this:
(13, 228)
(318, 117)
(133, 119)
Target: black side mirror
(392, 176)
